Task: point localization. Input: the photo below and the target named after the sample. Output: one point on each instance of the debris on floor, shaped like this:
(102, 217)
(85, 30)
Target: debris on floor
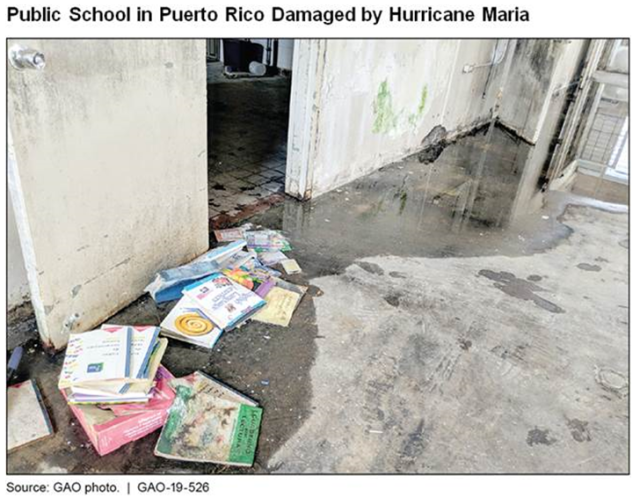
(27, 417)
(168, 284)
(114, 364)
(244, 285)
(116, 387)
(282, 301)
(14, 362)
(210, 422)
(291, 266)
(187, 322)
(111, 426)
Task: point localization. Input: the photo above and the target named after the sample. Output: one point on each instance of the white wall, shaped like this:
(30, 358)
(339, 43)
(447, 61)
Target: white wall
(285, 51)
(17, 284)
(109, 181)
(376, 100)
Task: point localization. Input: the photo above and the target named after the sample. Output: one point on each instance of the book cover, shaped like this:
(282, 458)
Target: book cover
(188, 322)
(125, 392)
(143, 342)
(96, 356)
(224, 301)
(205, 427)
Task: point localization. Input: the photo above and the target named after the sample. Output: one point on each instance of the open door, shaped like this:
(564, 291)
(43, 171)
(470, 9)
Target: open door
(107, 170)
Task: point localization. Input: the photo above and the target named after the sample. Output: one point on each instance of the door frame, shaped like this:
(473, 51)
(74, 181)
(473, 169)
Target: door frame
(309, 59)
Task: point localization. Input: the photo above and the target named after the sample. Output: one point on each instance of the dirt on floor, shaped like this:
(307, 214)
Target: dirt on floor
(439, 334)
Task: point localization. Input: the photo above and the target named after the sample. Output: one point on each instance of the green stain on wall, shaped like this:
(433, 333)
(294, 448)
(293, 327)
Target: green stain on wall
(413, 118)
(385, 118)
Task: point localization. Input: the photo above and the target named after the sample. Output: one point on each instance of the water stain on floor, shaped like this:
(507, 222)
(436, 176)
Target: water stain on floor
(407, 346)
(519, 288)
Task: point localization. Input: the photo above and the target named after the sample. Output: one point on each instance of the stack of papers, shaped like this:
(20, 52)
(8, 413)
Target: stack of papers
(114, 364)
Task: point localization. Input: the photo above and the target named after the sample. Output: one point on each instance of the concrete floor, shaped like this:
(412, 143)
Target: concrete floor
(439, 334)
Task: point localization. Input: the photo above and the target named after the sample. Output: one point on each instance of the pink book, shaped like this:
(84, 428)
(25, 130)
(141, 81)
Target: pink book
(108, 431)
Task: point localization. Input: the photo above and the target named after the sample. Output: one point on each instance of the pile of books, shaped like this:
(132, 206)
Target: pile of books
(211, 306)
(243, 284)
(114, 364)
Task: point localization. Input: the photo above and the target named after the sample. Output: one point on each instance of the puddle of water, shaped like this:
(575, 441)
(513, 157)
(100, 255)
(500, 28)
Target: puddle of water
(458, 204)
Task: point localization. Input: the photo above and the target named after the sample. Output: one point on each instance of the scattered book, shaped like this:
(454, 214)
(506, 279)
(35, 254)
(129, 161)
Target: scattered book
(210, 422)
(114, 364)
(271, 258)
(168, 284)
(187, 322)
(224, 301)
(27, 417)
(282, 301)
(267, 240)
(291, 266)
(232, 234)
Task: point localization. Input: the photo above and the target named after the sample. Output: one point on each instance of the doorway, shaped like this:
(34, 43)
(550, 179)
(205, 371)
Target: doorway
(248, 94)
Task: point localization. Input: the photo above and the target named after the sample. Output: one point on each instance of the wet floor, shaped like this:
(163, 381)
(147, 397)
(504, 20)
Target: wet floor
(460, 204)
(457, 205)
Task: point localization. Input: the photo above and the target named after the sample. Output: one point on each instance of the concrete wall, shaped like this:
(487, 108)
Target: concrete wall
(533, 102)
(540, 67)
(378, 99)
(17, 284)
(109, 178)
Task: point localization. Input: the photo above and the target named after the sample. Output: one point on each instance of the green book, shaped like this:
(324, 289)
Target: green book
(210, 422)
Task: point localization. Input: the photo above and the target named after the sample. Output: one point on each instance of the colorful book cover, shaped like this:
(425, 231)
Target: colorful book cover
(224, 301)
(255, 282)
(267, 240)
(188, 322)
(97, 356)
(204, 427)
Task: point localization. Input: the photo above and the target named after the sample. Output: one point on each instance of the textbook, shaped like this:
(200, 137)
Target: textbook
(110, 428)
(210, 422)
(125, 392)
(188, 322)
(97, 356)
(143, 342)
(225, 302)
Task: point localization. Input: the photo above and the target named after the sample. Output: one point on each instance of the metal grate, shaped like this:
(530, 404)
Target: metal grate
(605, 138)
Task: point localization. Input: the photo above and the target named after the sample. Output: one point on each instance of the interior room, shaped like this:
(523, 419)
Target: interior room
(248, 92)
